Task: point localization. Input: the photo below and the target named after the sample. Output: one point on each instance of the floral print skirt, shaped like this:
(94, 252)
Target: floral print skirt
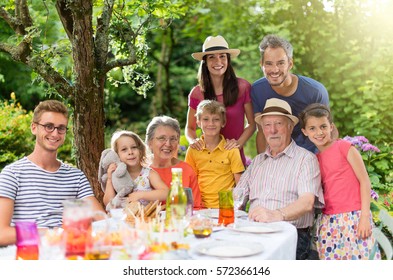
(337, 240)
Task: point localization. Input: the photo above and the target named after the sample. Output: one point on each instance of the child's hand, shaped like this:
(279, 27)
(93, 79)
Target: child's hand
(134, 196)
(364, 228)
(112, 167)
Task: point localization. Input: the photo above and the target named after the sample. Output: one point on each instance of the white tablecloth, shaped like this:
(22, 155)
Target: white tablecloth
(280, 245)
(8, 253)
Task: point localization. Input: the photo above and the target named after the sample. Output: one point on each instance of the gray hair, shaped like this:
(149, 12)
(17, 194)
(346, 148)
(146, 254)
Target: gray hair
(161, 121)
(273, 41)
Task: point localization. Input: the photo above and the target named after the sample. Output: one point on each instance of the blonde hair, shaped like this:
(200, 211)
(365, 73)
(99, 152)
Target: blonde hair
(211, 107)
(141, 146)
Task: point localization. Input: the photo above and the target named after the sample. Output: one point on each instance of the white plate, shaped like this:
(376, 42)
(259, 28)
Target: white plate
(254, 227)
(213, 213)
(228, 249)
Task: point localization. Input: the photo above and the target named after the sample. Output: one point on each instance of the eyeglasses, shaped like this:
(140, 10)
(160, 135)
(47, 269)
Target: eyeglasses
(269, 125)
(163, 139)
(50, 128)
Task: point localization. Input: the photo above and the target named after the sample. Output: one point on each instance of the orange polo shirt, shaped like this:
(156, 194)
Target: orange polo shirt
(189, 180)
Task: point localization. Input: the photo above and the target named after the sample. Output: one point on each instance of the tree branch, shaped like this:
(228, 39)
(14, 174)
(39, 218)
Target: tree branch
(52, 77)
(10, 20)
(101, 43)
(65, 15)
(22, 12)
(120, 63)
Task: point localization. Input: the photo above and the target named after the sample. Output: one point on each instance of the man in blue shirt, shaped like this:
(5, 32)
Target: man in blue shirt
(299, 91)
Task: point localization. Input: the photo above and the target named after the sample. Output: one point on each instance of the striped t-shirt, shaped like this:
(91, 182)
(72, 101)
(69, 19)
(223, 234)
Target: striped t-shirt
(275, 182)
(38, 194)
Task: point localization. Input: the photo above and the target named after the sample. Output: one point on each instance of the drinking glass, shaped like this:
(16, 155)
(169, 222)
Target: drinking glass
(202, 227)
(190, 202)
(238, 198)
(117, 209)
(99, 243)
(77, 219)
(226, 212)
(134, 241)
(179, 220)
(27, 240)
(52, 244)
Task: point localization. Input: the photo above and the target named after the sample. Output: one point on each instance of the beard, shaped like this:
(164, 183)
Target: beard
(275, 82)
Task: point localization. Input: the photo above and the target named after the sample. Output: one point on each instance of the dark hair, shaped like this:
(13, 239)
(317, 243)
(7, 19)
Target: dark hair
(231, 87)
(273, 41)
(317, 110)
(49, 106)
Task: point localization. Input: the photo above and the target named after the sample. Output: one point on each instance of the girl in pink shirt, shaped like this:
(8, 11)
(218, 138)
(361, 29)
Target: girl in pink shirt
(344, 228)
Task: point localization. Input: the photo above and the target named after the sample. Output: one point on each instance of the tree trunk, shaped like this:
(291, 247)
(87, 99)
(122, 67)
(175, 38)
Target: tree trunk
(88, 97)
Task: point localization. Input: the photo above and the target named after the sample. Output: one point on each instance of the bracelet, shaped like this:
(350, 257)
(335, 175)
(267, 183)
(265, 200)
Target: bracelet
(282, 214)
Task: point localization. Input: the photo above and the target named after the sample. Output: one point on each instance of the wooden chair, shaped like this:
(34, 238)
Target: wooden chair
(382, 240)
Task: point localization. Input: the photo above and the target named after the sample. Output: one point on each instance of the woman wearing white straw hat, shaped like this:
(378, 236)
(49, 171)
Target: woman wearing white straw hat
(217, 81)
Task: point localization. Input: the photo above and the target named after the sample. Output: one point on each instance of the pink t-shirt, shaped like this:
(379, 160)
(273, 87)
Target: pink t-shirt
(235, 114)
(340, 185)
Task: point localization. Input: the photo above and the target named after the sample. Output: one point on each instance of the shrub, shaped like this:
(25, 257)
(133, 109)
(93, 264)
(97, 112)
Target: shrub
(16, 139)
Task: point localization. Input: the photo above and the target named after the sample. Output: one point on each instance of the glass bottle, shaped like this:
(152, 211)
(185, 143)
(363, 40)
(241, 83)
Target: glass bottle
(176, 202)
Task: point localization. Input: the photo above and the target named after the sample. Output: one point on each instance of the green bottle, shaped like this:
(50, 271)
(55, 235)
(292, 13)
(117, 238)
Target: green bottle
(176, 203)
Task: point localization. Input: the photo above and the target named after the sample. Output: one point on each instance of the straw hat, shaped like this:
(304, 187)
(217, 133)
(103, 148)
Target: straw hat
(275, 106)
(215, 44)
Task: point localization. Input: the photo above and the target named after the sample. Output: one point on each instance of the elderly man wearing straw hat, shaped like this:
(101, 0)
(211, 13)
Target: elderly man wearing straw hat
(283, 182)
(217, 81)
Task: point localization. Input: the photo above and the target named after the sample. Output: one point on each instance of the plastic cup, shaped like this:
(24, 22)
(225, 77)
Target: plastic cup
(27, 240)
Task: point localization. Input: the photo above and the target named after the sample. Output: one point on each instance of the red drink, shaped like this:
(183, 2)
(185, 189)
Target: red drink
(76, 237)
(27, 252)
(226, 216)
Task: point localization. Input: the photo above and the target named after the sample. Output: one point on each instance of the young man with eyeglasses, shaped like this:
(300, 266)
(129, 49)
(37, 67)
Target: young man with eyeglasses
(34, 187)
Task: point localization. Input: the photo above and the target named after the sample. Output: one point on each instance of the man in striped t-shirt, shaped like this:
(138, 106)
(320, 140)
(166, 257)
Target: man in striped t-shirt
(282, 182)
(34, 187)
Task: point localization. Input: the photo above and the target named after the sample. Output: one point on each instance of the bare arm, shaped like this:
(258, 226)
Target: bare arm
(250, 126)
(293, 211)
(159, 192)
(7, 232)
(356, 161)
(260, 140)
(190, 130)
(237, 177)
(95, 204)
(248, 131)
(110, 192)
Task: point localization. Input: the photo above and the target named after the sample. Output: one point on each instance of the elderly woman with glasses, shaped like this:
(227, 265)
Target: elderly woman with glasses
(162, 138)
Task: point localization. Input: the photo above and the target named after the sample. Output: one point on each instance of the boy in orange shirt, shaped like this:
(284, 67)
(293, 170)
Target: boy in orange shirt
(217, 168)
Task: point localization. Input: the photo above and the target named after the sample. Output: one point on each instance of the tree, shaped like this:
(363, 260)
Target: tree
(99, 38)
